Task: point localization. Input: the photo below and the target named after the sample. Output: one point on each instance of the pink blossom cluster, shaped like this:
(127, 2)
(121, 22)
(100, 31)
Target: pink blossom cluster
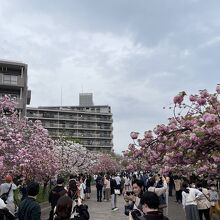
(134, 135)
(209, 118)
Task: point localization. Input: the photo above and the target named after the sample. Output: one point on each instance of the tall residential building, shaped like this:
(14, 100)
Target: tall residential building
(91, 125)
(13, 82)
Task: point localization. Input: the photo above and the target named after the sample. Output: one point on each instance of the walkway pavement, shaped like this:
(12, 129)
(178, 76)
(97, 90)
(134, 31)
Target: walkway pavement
(102, 210)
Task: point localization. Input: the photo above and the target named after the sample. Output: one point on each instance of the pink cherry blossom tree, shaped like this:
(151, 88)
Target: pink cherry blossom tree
(25, 146)
(106, 163)
(189, 142)
(73, 157)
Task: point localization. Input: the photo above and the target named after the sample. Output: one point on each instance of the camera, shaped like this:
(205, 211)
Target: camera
(136, 214)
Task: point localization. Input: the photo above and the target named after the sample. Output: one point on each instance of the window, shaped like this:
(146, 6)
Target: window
(14, 80)
(7, 79)
(10, 79)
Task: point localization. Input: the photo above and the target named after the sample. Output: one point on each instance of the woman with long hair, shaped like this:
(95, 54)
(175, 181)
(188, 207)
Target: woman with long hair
(133, 198)
(66, 209)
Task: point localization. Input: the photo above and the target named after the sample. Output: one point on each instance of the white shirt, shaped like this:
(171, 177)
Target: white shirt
(81, 188)
(158, 191)
(4, 187)
(190, 198)
(118, 180)
(127, 181)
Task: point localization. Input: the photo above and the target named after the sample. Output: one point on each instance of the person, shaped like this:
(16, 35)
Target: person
(113, 187)
(127, 183)
(53, 182)
(150, 207)
(66, 209)
(55, 194)
(189, 198)
(23, 189)
(122, 184)
(214, 198)
(118, 181)
(72, 187)
(9, 187)
(29, 209)
(158, 185)
(99, 186)
(144, 178)
(4, 212)
(88, 186)
(171, 184)
(132, 200)
(177, 184)
(104, 188)
(107, 187)
(203, 203)
(82, 188)
(153, 185)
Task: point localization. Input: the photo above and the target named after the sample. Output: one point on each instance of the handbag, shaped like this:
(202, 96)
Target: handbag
(217, 208)
(4, 196)
(117, 192)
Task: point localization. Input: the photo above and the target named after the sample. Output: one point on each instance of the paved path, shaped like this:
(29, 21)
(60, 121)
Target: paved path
(102, 210)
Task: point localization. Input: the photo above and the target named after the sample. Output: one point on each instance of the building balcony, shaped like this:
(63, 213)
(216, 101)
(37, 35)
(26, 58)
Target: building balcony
(40, 116)
(80, 136)
(76, 127)
(9, 84)
(96, 146)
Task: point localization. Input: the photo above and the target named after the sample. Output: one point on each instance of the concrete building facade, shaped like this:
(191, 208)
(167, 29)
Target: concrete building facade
(90, 125)
(13, 82)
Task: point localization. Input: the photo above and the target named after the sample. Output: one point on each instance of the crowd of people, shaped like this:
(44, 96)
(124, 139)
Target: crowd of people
(142, 194)
(145, 196)
(66, 200)
(199, 196)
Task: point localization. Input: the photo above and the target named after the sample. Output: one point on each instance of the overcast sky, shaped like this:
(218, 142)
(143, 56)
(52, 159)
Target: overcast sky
(133, 55)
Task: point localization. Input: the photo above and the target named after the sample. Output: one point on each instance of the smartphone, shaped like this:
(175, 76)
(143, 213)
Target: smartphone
(129, 193)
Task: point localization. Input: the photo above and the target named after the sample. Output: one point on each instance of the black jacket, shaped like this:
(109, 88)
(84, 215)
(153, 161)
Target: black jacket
(29, 209)
(155, 215)
(113, 186)
(99, 182)
(55, 194)
(82, 211)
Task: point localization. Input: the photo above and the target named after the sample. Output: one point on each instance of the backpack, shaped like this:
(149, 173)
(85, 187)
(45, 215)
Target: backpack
(4, 196)
(99, 182)
(73, 189)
